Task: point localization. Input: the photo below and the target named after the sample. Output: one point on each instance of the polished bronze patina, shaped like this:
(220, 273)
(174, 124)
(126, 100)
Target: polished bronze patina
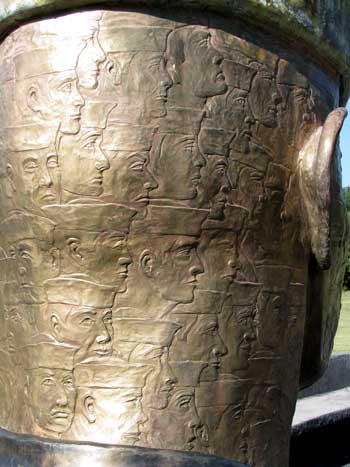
(172, 231)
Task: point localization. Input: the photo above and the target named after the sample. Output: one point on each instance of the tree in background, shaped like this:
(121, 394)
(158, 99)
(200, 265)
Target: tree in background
(346, 192)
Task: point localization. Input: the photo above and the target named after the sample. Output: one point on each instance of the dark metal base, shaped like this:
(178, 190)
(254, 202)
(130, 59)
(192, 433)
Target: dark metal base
(323, 443)
(30, 451)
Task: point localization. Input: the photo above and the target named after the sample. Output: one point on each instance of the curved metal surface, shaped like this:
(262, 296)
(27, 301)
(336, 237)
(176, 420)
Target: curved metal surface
(167, 183)
(29, 451)
(320, 29)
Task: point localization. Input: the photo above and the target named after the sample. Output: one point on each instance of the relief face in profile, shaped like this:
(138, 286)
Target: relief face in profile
(271, 318)
(148, 89)
(251, 191)
(240, 333)
(98, 254)
(92, 239)
(82, 163)
(215, 185)
(110, 395)
(131, 180)
(241, 118)
(172, 266)
(55, 98)
(164, 434)
(63, 102)
(87, 328)
(160, 383)
(117, 410)
(264, 98)
(195, 66)
(177, 164)
(20, 324)
(89, 61)
(219, 251)
(111, 256)
(203, 342)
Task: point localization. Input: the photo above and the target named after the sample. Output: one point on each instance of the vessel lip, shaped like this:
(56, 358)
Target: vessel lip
(322, 29)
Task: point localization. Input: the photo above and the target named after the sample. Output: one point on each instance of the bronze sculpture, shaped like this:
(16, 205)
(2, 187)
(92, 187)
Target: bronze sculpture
(169, 202)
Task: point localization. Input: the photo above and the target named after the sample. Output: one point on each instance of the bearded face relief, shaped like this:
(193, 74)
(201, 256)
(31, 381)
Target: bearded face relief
(158, 185)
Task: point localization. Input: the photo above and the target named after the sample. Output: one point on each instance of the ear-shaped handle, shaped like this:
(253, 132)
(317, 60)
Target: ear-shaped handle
(315, 161)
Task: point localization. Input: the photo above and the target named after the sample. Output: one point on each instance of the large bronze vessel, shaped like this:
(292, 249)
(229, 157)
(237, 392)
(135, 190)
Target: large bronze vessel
(173, 232)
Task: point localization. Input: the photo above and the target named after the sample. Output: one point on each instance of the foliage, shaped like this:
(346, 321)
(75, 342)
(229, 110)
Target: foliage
(346, 192)
(346, 283)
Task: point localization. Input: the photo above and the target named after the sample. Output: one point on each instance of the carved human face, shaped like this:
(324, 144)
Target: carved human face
(178, 165)
(20, 320)
(176, 266)
(182, 435)
(35, 177)
(151, 85)
(106, 258)
(89, 62)
(203, 65)
(88, 328)
(83, 162)
(214, 185)
(271, 318)
(300, 106)
(129, 178)
(36, 261)
(203, 343)
(275, 196)
(57, 99)
(213, 416)
(160, 383)
(218, 250)
(241, 118)
(264, 99)
(51, 397)
(231, 420)
(117, 415)
(251, 192)
(240, 334)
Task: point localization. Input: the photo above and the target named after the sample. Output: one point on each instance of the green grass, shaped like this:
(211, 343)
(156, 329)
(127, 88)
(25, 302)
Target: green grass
(342, 337)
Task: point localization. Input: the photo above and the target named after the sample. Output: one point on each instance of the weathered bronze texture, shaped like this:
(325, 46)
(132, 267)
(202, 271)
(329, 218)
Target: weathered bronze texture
(172, 231)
